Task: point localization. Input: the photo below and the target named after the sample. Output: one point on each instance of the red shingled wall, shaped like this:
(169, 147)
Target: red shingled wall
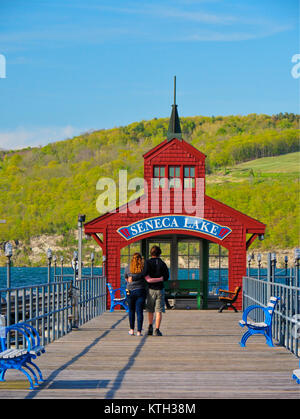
(174, 153)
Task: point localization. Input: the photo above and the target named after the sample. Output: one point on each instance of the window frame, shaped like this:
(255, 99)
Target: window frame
(160, 177)
(191, 178)
(171, 178)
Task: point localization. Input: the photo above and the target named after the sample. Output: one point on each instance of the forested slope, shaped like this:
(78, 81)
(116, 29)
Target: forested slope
(42, 190)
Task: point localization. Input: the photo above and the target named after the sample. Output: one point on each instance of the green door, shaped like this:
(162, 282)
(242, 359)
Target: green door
(186, 259)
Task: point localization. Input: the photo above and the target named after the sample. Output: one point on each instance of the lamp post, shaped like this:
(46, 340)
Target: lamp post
(75, 265)
(73, 294)
(81, 220)
(49, 257)
(92, 263)
(286, 260)
(259, 264)
(273, 264)
(297, 259)
(8, 254)
(62, 268)
(54, 260)
(249, 264)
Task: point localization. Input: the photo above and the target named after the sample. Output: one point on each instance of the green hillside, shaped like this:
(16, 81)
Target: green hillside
(282, 165)
(44, 189)
(286, 163)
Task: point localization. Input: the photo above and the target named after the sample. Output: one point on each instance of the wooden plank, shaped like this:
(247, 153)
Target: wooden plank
(198, 356)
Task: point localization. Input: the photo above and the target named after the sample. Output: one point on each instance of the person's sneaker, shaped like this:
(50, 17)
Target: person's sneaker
(150, 330)
(158, 332)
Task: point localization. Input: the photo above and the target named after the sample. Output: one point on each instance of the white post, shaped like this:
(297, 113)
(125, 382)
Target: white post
(79, 249)
(81, 220)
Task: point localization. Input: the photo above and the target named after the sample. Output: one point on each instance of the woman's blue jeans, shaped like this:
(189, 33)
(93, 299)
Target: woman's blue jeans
(136, 302)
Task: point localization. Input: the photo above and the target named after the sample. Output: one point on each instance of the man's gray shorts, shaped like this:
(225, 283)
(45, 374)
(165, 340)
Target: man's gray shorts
(155, 301)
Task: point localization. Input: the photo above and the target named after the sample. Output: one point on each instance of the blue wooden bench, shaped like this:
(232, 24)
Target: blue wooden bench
(263, 328)
(21, 359)
(114, 301)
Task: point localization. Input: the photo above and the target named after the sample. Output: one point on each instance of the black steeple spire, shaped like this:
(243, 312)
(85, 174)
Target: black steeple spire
(174, 130)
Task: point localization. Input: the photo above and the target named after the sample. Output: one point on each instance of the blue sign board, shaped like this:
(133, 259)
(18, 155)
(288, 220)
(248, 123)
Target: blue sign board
(174, 222)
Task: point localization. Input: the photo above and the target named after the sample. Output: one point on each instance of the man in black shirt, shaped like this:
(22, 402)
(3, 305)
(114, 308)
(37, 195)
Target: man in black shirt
(156, 268)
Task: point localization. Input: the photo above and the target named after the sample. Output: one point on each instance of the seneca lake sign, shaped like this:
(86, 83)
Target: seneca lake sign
(174, 222)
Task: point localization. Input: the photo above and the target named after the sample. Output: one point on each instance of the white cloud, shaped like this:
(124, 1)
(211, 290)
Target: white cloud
(33, 137)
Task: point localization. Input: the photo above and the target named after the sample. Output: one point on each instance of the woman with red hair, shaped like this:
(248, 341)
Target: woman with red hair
(136, 292)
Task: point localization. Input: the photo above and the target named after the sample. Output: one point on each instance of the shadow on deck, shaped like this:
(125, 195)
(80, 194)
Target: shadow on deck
(197, 357)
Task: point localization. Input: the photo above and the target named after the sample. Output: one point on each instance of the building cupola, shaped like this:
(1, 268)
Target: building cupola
(174, 130)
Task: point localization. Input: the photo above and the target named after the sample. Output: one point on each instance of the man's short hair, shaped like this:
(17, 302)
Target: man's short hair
(155, 251)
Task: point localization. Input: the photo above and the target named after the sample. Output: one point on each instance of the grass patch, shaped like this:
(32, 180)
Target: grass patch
(286, 163)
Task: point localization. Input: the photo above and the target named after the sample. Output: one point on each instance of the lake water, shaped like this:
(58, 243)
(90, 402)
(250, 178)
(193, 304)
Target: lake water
(32, 276)
(21, 277)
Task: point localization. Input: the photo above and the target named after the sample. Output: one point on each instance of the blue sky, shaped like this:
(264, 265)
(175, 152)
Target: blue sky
(79, 65)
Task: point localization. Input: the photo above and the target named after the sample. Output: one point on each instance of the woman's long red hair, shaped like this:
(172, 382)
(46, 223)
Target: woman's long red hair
(136, 264)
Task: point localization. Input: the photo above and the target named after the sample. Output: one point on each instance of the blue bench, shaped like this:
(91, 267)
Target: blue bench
(296, 375)
(263, 328)
(21, 359)
(114, 301)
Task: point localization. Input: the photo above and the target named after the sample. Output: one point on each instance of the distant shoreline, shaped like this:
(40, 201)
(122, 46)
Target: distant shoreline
(280, 255)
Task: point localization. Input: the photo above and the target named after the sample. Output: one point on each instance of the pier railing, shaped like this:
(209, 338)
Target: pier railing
(286, 320)
(54, 308)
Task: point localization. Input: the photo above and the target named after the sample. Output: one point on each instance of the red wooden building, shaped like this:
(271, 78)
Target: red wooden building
(175, 213)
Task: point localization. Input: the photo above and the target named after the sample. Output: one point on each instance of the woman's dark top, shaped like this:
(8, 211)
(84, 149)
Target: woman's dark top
(138, 280)
(155, 268)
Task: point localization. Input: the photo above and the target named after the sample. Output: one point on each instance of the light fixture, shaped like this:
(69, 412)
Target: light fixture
(75, 255)
(297, 253)
(81, 218)
(261, 237)
(92, 257)
(49, 254)
(259, 257)
(8, 250)
(273, 257)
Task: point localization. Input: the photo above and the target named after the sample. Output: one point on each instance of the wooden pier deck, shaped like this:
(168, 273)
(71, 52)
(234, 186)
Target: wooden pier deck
(198, 357)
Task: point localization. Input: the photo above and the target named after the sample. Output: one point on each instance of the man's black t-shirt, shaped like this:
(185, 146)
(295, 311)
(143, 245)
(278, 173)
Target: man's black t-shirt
(155, 268)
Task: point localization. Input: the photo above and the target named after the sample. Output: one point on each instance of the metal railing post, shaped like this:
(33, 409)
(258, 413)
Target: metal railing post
(8, 254)
(62, 268)
(269, 276)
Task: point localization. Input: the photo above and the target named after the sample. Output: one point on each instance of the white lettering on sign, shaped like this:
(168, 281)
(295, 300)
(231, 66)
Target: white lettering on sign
(171, 222)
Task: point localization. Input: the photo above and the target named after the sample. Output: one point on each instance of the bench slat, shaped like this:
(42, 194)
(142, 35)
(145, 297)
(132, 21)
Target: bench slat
(13, 353)
(37, 350)
(5, 353)
(251, 323)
